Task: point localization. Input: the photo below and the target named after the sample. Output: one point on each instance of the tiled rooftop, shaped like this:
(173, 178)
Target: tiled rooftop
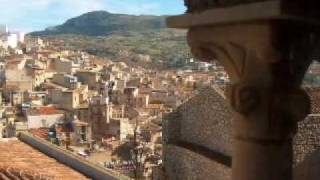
(41, 132)
(18, 158)
(44, 111)
(8, 173)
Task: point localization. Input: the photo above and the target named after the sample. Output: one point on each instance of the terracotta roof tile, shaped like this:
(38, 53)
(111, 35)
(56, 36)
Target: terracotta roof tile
(41, 132)
(19, 157)
(44, 111)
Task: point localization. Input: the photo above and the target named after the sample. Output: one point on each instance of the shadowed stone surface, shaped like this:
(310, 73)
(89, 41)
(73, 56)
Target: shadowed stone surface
(200, 5)
(193, 166)
(303, 8)
(307, 149)
(206, 120)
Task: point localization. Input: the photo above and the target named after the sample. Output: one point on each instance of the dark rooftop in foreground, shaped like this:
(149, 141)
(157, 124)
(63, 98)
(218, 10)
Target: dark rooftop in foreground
(20, 161)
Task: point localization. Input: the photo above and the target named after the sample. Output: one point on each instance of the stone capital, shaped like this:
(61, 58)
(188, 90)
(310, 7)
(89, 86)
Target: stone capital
(266, 47)
(266, 62)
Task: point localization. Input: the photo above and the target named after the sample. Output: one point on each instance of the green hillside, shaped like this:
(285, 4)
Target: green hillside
(137, 40)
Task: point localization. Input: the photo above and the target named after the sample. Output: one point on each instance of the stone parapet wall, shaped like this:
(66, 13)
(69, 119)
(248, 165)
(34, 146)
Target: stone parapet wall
(63, 156)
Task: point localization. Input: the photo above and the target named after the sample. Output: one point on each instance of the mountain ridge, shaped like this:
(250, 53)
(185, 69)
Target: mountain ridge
(137, 40)
(103, 23)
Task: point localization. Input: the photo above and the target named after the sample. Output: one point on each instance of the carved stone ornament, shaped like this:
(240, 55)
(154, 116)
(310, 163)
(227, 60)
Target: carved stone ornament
(244, 99)
(265, 67)
(266, 48)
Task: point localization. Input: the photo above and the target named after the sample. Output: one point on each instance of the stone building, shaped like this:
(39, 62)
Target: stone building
(43, 117)
(199, 132)
(69, 99)
(198, 139)
(99, 112)
(17, 76)
(66, 66)
(81, 132)
(65, 80)
(90, 78)
(306, 142)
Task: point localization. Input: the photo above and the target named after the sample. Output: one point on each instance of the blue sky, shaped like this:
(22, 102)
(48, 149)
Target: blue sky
(31, 15)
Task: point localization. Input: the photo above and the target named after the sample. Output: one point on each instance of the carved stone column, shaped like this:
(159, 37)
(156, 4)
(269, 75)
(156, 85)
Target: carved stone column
(266, 65)
(266, 59)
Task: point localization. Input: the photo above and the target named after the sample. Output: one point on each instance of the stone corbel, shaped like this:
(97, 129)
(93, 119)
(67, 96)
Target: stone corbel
(266, 65)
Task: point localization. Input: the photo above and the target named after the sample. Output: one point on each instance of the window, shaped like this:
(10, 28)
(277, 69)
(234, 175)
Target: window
(44, 123)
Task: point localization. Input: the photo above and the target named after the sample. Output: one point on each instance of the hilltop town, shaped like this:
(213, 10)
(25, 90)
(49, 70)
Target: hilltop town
(106, 112)
(112, 100)
(160, 90)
